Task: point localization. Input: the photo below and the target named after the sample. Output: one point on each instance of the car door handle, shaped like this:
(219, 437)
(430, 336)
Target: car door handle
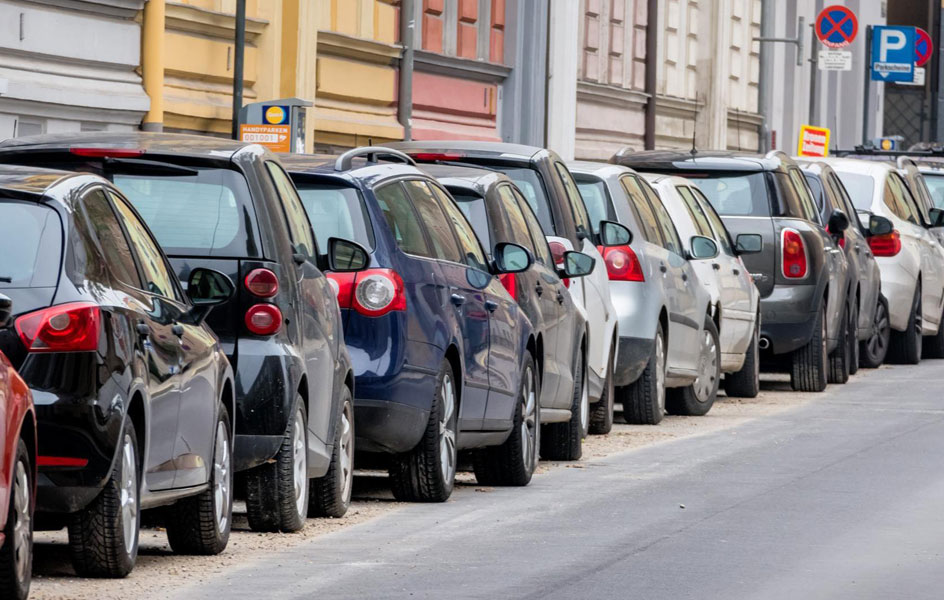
(716, 266)
(858, 248)
(663, 268)
(560, 297)
(539, 289)
(737, 271)
(684, 277)
(491, 305)
(143, 329)
(177, 330)
(457, 299)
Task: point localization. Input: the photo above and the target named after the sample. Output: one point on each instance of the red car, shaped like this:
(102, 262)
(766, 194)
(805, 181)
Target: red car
(17, 476)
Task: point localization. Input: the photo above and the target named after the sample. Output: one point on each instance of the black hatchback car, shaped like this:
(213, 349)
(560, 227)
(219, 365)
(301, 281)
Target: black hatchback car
(133, 393)
(230, 206)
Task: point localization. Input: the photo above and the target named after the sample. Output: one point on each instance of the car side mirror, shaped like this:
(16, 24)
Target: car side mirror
(511, 258)
(614, 234)
(838, 222)
(702, 248)
(937, 217)
(879, 225)
(576, 264)
(206, 288)
(6, 309)
(749, 243)
(345, 256)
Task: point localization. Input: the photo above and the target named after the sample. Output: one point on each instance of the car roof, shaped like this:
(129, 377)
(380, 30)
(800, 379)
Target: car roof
(599, 169)
(702, 160)
(470, 178)
(503, 149)
(361, 170)
(30, 181)
(854, 165)
(149, 142)
(660, 178)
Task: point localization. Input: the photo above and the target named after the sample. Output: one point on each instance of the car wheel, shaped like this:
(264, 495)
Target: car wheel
(746, 382)
(852, 338)
(331, 494)
(564, 441)
(428, 472)
(934, 344)
(103, 538)
(811, 362)
(601, 414)
(277, 492)
(839, 358)
(16, 554)
(698, 398)
(201, 524)
(513, 462)
(873, 350)
(905, 346)
(644, 400)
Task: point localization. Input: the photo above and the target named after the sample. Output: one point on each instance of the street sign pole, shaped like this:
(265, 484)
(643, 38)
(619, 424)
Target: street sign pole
(867, 59)
(814, 54)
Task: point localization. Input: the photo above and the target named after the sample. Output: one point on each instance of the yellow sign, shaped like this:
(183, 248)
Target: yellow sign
(276, 138)
(814, 141)
(887, 144)
(275, 115)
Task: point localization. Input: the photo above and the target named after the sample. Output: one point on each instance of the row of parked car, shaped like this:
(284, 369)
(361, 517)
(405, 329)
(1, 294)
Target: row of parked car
(188, 320)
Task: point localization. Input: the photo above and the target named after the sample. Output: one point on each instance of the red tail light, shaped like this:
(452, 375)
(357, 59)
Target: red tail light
(622, 264)
(71, 327)
(511, 284)
(793, 254)
(264, 319)
(557, 252)
(60, 461)
(107, 152)
(886, 245)
(372, 293)
(262, 282)
(434, 156)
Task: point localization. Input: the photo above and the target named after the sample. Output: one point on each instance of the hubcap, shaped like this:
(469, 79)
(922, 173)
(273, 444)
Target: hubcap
(129, 494)
(22, 527)
(347, 452)
(660, 373)
(300, 467)
(222, 478)
(528, 420)
(447, 434)
(707, 368)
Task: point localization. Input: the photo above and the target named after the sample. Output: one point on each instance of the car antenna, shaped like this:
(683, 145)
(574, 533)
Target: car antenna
(694, 150)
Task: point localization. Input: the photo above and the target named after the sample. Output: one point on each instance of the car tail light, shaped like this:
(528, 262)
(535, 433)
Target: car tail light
(71, 327)
(378, 292)
(622, 264)
(434, 156)
(888, 244)
(557, 253)
(262, 282)
(343, 285)
(107, 152)
(511, 284)
(60, 461)
(793, 254)
(264, 319)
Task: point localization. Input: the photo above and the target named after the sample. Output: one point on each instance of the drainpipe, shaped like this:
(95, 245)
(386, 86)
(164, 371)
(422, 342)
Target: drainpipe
(764, 81)
(239, 53)
(652, 45)
(152, 64)
(405, 87)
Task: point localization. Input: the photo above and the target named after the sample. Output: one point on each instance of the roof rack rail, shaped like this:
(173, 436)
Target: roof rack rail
(873, 151)
(372, 154)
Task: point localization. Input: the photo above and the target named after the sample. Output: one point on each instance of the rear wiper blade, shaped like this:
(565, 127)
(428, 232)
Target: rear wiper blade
(6, 279)
(150, 167)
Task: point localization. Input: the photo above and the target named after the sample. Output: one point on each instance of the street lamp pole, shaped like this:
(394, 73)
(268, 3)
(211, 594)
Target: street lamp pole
(238, 57)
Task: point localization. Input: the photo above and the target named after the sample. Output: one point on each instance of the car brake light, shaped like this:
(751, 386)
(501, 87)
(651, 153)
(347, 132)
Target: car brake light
(888, 244)
(622, 264)
(264, 319)
(262, 282)
(557, 253)
(60, 461)
(434, 156)
(70, 327)
(378, 292)
(343, 285)
(107, 152)
(793, 254)
(508, 280)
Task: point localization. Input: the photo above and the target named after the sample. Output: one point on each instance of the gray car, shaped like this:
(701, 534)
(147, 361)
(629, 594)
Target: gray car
(801, 272)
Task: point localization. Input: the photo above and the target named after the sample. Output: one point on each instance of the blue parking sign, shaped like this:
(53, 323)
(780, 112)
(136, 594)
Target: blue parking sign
(893, 53)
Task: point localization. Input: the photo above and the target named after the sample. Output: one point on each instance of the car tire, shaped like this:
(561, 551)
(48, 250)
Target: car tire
(16, 554)
(601, 413)
(905, 346)
(839, 358)
(330, 495)
(872, 351)
(811, 362)
(852, 338)
(746, 382)
(644, 400)
(428, 472)
(277, 491)
(103, 538)
(201, 524)
(934, 344)
(564, 441)
(697, 399)
(513, 463)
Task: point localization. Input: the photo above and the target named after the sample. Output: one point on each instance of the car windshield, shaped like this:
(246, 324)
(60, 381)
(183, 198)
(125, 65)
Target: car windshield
(30, 245)
(336, 211)
(473, 207)
(860, 188)
(206, 214)
(595, 199)
(530, 184)
(935, 183)
(736, 195)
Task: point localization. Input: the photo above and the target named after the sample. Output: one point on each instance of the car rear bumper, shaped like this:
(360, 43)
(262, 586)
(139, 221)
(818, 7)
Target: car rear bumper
(898, 287)
(788, 316)
(633, 355)
(386, 426)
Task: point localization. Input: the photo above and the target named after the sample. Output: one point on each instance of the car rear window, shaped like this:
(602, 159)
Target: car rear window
(207, 214)
(30, 245)
(473, 207)
(531, 186)
(336, 211)
(936, 187)
(860, 188)
(735, 194)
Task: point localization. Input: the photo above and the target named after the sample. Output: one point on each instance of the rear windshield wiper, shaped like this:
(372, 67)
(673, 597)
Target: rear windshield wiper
(6, 279)
(132, 166)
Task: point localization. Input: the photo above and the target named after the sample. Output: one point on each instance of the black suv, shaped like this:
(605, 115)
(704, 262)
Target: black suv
(230, 206)
(133, 393)
(800, 272)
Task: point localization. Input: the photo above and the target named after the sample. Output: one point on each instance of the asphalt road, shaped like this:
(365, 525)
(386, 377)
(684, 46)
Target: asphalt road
(840, 498)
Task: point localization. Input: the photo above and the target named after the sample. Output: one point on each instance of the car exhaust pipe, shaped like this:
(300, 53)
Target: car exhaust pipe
(764, 343)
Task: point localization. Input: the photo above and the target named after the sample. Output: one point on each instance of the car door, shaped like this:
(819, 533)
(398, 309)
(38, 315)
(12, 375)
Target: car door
(465, 298)
(314, 305)
(932, 261)
(137, 285)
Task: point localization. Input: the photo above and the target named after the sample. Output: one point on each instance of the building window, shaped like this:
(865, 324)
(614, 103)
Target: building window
(25, 127)
(85, 126)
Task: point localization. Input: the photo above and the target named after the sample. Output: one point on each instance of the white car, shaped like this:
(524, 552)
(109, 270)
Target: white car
(909, 256)
(734, 297)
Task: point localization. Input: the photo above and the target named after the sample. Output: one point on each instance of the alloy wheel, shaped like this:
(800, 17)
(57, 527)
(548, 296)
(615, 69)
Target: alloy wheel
(529, 424)
(878, 340)
(707, 368)
(347, 452)
(129, 494)
(447, 434)
(222, 477)
(824, 342)
(22, 524)
(300, 465)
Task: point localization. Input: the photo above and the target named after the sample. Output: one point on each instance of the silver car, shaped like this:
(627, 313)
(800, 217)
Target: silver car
(662, 307)
(734, 297)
